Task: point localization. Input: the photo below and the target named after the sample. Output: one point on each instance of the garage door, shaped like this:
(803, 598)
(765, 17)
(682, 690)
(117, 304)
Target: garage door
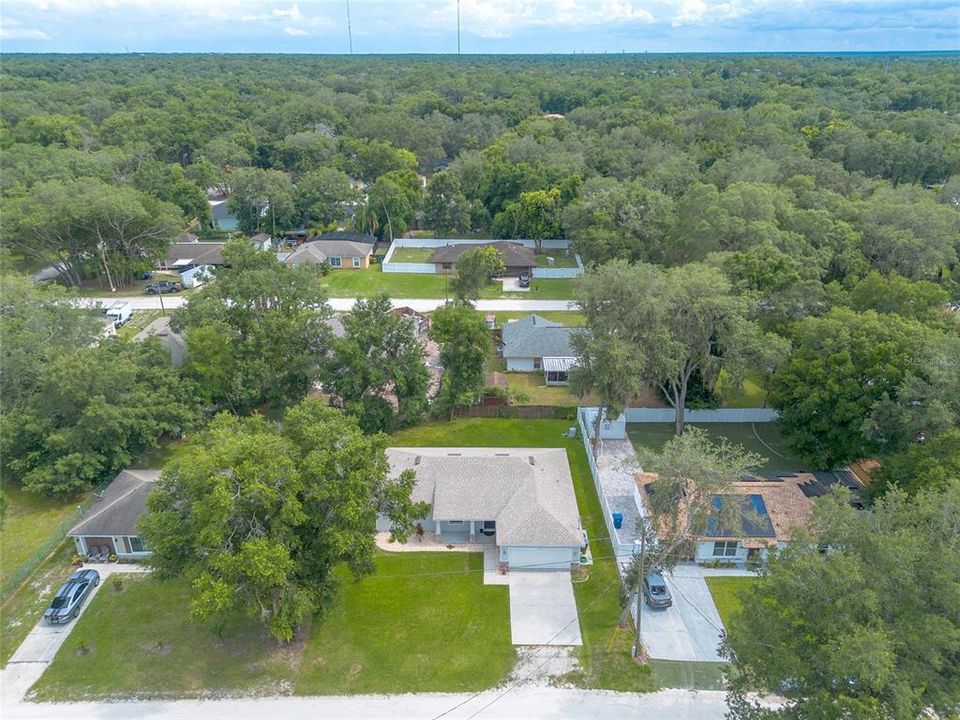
(539, 558)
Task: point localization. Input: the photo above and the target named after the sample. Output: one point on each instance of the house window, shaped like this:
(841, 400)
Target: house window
(537, 363)
(726, 548)
(447, 266)
(335, 262)
(356, 262)
(137, 545)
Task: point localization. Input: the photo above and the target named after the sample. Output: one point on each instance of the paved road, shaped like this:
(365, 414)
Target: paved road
(523, 702)
(152, 302)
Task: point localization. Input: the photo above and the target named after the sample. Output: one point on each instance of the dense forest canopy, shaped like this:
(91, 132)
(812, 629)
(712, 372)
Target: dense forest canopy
(820, 192)
(841, 163)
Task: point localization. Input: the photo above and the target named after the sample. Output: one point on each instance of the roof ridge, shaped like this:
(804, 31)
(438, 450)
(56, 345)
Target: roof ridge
(109, 505)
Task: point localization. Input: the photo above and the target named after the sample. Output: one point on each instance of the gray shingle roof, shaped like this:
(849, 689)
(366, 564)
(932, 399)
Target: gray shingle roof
(316, 251)
(533, 336)
(527, 491)
(514, 254)
(123, 502)
(197, 253)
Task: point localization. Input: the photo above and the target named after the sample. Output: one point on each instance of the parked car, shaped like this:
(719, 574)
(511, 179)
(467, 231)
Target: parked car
(163, 286)
(69, 599)
(524, 280)
(655, 592)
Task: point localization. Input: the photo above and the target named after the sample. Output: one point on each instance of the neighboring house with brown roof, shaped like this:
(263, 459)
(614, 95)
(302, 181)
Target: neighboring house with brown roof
(341, 254)
(517, 258)
(184, 255)
(110, 525)
(520, 500)
(770, 508)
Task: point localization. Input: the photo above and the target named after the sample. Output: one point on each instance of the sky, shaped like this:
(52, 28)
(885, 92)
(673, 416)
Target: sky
(487, 26)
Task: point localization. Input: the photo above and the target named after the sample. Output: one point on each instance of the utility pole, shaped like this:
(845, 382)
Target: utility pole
(349, 29)
(458, 27)
(638, 643)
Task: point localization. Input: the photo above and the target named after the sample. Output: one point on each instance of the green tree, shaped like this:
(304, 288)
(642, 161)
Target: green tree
(262, 200)
(536, 216)
(322, 197)
(258, 334)
(689, 314)
(259, 517)
(94, 412)
(929, 465)
(892, 293)
(394, 200)
(38, 323)
(476, 268)
(868, 630)
(465, 345)
(379, 358)
(445, 208)
(169, 182)
(88, 224)
(368, 160)
(847, 366)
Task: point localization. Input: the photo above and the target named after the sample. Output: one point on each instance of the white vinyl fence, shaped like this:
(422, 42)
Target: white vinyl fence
(728, 415)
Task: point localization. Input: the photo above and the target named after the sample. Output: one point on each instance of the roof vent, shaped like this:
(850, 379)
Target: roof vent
(454, 454)
(416, 460)
(503, 454)
(532, 462)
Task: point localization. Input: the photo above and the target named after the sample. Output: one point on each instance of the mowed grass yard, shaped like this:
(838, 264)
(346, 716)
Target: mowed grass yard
(605, 656)
(424, 623)
(538, 392)
(24, 608)
(30, 520)
(770, 443)
(726, 597)
(361, 283)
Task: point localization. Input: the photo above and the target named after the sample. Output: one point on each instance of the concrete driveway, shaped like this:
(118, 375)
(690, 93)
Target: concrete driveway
(40, 646)
(543, 610)
(690, 630)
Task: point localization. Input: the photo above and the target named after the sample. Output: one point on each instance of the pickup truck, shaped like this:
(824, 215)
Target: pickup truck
(163, 286)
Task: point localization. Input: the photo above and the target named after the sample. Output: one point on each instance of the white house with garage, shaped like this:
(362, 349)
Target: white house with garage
(519, 499)
(535, 344)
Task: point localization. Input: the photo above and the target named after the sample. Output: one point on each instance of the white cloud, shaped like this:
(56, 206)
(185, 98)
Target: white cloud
(296, 32)
(12, 29)
(293, 13)
(501, 18)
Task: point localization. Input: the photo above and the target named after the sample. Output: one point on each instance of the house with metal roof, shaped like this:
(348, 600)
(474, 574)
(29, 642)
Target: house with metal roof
(520, 500)
(109, 527)
(533, 344)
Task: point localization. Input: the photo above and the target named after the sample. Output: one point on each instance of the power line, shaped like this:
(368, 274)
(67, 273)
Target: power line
(349, 29)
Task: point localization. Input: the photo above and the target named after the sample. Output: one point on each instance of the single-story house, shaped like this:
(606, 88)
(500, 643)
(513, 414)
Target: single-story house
(517, 258)
(110, 525)
(519, 499)
(185, 255)
(769, 509)
(419, 320)
(262, 241)
(223, 217)
(174, 342)
(534, 343)
(341, 254)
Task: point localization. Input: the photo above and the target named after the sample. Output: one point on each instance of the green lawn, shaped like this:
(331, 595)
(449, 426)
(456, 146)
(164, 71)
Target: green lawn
(25, 606)
(559, 259)
(412, 254)
(139, 319)
(725, 595)
(779, 458)
(753, 394)
(605, 656)
(424, 623)
(30, 520)
(539, 393)
(101, 288)
(359, 283)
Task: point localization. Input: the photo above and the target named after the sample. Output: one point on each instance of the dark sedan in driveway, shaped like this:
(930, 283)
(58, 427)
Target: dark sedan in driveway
(69, 599)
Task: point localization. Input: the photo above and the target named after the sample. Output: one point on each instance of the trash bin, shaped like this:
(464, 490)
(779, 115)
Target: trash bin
(618, 520)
